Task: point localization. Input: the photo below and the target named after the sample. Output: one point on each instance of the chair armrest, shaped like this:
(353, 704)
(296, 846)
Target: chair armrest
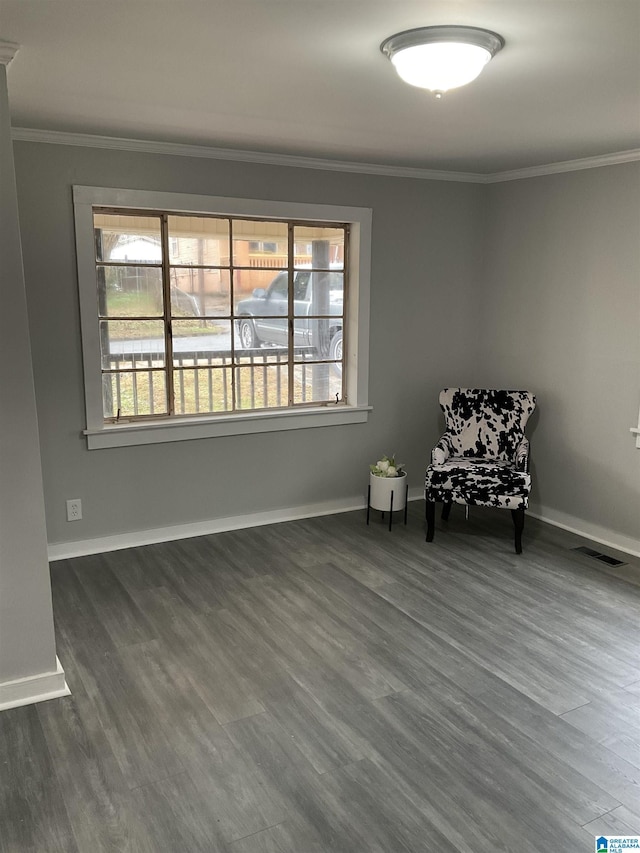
(441, 451)
(521, 459)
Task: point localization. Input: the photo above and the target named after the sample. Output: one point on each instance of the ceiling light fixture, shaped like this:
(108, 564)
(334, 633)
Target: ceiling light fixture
(441, 58)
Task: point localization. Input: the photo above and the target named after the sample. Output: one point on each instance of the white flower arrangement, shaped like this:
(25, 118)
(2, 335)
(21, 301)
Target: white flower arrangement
(387, 467)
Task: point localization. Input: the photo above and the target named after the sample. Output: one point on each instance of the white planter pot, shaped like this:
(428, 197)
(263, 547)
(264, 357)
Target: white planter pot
(381, 489)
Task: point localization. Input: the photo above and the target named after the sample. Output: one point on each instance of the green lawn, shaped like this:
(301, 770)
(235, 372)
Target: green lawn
(126, 307)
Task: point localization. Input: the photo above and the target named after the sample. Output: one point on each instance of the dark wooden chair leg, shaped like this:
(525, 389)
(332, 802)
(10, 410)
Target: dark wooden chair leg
(431, 520)
(446, 509)
(518, 523)
(368, 503)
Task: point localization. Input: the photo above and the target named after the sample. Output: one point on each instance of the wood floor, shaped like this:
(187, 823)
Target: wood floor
(321, 686)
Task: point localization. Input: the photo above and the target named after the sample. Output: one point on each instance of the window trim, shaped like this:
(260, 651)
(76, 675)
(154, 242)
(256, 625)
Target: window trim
(356, 358)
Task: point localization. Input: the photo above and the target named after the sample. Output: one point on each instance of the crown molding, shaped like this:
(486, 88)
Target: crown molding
(618, 157)
(180, 149)
(87, 140)
(8, 50)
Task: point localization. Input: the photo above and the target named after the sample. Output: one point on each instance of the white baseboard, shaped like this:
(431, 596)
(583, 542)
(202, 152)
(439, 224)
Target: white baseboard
(83, 547)
(33, 688)
(587, 530)
(132, 539)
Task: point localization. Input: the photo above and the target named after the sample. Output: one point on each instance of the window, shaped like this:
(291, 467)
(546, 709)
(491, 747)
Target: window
(210, 328)
(204, 316)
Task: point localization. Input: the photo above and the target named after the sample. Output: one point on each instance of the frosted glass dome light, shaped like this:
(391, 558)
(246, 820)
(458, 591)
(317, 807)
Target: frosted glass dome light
(441, 58)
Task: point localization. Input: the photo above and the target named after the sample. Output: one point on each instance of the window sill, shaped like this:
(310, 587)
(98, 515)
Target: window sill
(183, 429)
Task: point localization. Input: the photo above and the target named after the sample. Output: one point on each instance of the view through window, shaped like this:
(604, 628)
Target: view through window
(213, 314)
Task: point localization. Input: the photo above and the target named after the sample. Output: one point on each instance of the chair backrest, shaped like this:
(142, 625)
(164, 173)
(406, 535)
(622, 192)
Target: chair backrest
(486, 423)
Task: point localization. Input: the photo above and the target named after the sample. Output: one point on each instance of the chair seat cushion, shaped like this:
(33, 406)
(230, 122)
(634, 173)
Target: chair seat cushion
(478, 482)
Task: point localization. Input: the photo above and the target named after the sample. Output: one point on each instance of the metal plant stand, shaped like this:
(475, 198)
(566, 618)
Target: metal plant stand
(406, 506)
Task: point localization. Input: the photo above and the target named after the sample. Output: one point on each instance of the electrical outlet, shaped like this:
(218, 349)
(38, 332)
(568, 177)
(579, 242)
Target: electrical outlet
(74, 509)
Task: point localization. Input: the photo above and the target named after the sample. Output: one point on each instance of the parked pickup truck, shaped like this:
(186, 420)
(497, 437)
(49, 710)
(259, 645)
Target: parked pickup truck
(262, 319)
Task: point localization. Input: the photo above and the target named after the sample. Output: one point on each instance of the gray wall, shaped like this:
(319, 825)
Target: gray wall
(424, 303)
(27, 642)
(561, 316)
(531, 283)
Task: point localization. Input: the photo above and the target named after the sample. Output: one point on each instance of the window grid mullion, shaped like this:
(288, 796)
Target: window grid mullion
(232, 284)
(345, 301)
(290, 265)
(166, 301)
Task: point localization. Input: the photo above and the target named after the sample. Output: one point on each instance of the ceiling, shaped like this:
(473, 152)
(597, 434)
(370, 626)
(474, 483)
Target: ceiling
(307, 77)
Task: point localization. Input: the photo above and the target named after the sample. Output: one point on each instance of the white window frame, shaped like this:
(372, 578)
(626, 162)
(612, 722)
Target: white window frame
(356, 356)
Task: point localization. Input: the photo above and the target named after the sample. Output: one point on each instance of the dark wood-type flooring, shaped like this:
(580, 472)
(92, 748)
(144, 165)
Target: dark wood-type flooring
(322, 685)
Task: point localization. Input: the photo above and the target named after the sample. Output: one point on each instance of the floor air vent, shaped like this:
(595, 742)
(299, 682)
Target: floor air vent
(604, 558)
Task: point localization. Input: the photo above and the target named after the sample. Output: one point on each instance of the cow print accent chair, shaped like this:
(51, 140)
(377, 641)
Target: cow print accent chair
(483, 457)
